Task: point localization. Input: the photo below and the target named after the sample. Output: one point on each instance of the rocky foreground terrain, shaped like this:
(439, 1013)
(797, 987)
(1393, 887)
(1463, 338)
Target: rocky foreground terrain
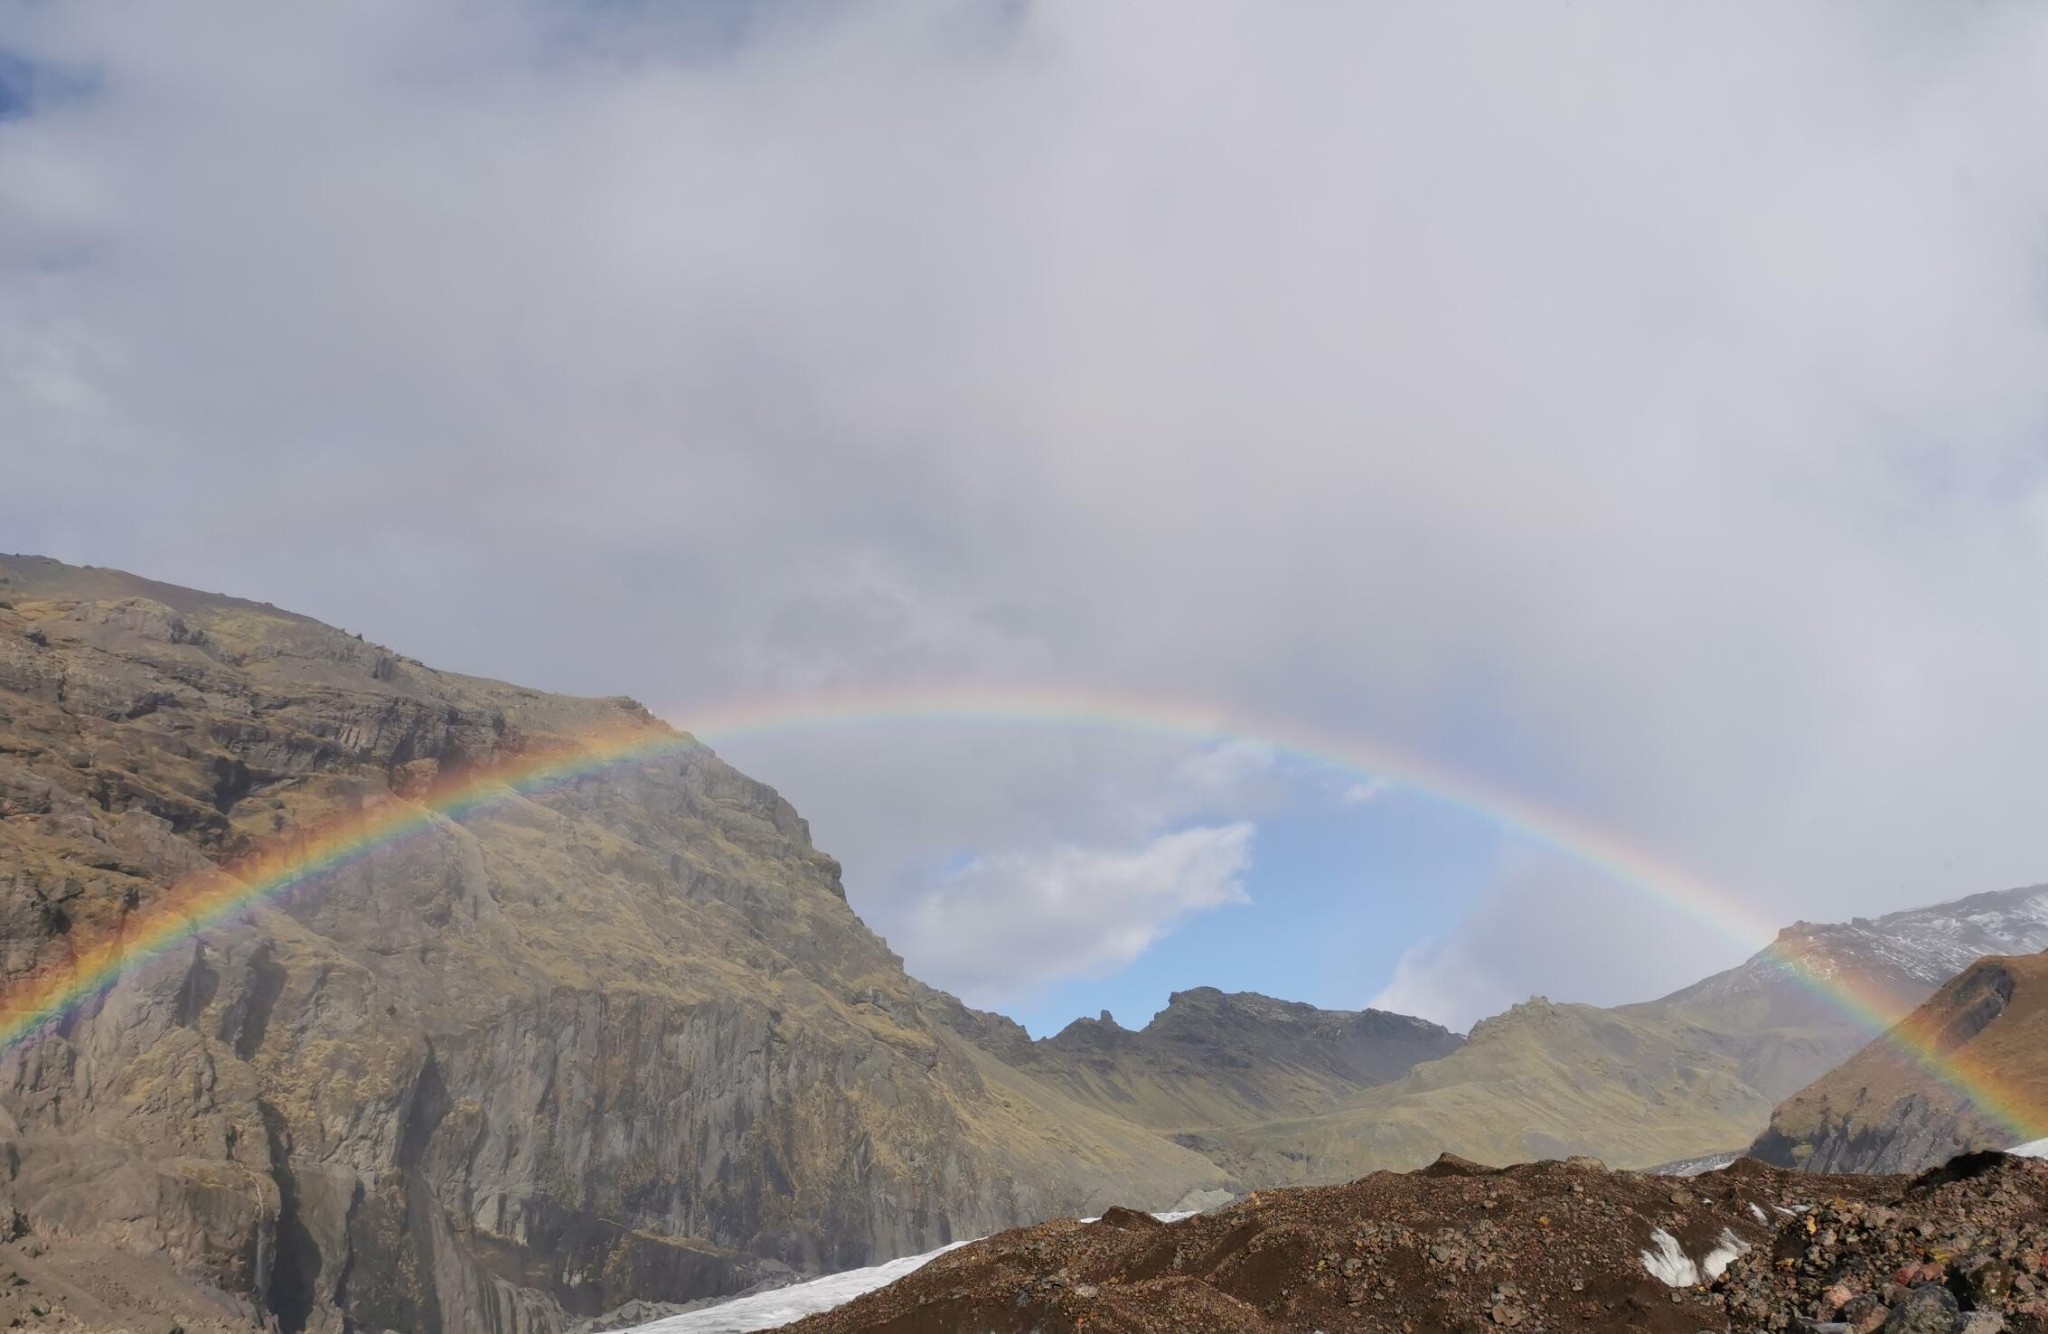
(1547, 1246)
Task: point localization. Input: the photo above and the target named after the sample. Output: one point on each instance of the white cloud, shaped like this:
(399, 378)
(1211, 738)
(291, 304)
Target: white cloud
(1358, 794)
(1002, 926)
(1224, 771)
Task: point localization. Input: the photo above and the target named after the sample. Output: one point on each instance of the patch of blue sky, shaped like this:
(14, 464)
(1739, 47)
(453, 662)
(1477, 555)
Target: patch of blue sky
(17, 86)
(1339, 891)
(30, 87)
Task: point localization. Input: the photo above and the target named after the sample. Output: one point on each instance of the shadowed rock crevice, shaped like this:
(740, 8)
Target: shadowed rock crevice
(295, 1274)
(423, 1114)
(249, 1020)
(202, 983)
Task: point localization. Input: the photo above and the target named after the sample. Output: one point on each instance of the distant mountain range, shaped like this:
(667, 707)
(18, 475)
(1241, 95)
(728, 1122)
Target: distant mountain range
(1211, 1059)
(621, 1038)
(1638, 1085)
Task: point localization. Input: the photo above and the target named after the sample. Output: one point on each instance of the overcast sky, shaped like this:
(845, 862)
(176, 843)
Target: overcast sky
(1636, 408)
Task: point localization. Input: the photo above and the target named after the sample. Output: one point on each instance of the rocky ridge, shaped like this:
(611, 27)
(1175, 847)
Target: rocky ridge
(1213, 1059)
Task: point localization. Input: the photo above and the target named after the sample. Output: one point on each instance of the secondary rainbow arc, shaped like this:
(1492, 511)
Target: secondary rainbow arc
(299, 865)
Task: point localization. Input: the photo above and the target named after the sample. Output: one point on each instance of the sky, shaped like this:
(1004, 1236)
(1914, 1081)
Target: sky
(1635, 410)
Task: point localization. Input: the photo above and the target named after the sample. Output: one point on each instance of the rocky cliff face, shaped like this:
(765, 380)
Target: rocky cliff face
(1212, 1059)
(623, 1039)
(1893, 1107)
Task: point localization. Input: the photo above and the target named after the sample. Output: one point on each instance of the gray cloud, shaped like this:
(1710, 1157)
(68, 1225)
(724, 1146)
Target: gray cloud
(1641, 408)
(1544, 909)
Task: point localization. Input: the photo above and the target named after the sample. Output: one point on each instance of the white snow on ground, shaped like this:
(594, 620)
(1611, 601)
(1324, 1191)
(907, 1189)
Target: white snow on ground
(1667, 1263)
(773, 1310)
(2032, 1149)
(1693, 1167)
(1670, 1265)
(1724, 1253)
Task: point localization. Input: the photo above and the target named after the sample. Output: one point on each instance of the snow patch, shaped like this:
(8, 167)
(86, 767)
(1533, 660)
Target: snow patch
(1725, 1251)
(2031, 1149)
(1668, 1263)
(1694, 1167)
(783, 1306)
(773, 1310)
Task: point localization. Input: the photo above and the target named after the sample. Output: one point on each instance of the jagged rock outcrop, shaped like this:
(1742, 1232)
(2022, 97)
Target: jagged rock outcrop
(1213, 1059)
(621, 1039)
(1953, 1077)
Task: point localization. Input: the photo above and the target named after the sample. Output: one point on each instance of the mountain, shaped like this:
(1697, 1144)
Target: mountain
(1897, 960)
(1543, 1080)
(1890, 1109)
(618, 1039)
(1690, 1074)
(622, 1038)
(1212, 1059)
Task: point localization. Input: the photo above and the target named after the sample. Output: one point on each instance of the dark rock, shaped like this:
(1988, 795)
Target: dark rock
(1928, 1309)
(1982, 1281)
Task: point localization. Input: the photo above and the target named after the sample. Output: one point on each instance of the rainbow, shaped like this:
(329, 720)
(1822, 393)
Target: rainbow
(280, 871)
(284, 871)
(1654, 877)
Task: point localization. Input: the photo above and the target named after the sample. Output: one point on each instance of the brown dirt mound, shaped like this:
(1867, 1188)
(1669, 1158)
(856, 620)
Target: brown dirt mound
(1460, 1247)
